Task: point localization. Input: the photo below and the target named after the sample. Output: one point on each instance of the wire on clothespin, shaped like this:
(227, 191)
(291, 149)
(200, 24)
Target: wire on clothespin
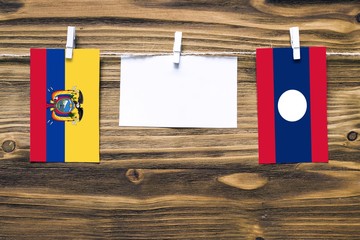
(177, 47)
(295, 42)
(70, 42)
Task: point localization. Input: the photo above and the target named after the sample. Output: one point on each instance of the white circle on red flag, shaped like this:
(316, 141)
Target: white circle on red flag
(292, 105)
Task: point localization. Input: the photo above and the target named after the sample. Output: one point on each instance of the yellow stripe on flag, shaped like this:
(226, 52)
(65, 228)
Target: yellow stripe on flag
(82, 139)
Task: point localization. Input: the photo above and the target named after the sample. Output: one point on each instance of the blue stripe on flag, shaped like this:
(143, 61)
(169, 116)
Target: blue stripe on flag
(293, 139)
(55, 130)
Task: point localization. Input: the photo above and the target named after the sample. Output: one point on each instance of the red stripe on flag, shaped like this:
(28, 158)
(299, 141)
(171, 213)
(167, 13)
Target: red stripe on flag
(318, 104)
(37, 105)
(265, 97)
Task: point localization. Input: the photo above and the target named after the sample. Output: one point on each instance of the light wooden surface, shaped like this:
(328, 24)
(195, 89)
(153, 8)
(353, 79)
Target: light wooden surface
(179, 183)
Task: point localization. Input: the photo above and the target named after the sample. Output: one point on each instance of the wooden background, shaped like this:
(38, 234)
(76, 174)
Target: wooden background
(180, 183)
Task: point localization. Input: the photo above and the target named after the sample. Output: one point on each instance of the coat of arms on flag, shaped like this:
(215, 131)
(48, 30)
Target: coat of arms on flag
(292, 116)
(64, 105)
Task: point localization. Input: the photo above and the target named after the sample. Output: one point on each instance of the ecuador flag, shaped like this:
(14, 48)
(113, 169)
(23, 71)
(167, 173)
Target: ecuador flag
(291, 94)
(64, 106)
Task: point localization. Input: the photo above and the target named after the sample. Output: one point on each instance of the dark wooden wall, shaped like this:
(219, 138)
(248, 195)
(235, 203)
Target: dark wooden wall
(180, 183)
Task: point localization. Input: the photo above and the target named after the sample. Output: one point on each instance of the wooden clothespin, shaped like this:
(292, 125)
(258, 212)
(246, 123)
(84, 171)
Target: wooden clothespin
(70, 42)
(177, 47)
(295, 42)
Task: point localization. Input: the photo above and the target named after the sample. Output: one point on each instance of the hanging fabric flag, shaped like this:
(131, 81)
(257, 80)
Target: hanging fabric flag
(292, 118)
(64, 106)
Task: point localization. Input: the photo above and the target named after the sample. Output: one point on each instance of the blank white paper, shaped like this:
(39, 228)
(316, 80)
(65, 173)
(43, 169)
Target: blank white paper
(200, 92)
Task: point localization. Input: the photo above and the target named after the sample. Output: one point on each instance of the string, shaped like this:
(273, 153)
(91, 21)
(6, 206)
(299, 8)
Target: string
(182, 53)
(148, 54)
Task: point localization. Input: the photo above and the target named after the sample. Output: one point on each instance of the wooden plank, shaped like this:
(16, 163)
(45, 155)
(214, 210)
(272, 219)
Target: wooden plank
(179, 183)
(180, 204)
(187, 147)
(149, 25)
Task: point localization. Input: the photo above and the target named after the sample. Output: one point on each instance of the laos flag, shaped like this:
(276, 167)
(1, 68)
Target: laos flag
(291, 94)
(64, 106)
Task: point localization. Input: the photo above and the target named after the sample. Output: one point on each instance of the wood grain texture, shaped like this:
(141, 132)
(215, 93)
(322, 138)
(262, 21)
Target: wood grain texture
(168, 183)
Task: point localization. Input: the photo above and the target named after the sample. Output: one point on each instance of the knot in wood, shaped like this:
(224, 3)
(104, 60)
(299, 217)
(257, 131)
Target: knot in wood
(352, 136)
(10, 6)
(244, 181)
(8, 146)
(358, 18)
(135, 176)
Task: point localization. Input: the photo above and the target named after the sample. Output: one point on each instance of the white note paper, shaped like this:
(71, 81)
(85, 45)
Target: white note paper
(200, 92)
